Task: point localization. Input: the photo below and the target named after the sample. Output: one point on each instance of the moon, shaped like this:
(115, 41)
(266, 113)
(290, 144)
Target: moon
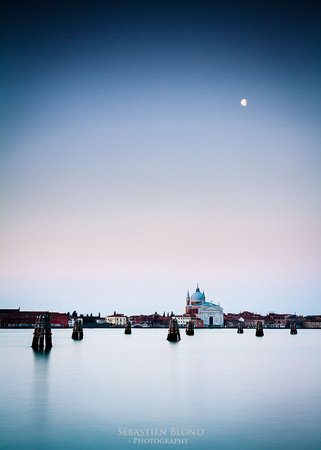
(243, 102)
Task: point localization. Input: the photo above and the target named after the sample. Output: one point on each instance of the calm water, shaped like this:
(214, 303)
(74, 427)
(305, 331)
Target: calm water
(235, 391)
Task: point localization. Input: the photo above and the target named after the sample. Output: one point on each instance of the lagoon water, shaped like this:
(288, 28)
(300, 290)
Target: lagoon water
(214, 390)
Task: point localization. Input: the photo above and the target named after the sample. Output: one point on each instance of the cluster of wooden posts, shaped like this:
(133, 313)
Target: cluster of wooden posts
(293, 329)
(174, 336)
(42, 336)
(77, 332)
(259, 329)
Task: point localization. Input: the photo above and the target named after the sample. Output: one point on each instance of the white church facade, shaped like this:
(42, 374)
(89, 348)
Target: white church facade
(210, 313)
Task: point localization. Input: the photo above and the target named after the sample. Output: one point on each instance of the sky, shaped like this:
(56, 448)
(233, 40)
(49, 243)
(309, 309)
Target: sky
(130, 171)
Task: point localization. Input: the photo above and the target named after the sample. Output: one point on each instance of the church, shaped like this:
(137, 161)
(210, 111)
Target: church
(210, 313)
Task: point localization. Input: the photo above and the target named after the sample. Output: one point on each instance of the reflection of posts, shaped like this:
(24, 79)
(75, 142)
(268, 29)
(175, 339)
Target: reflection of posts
(128, 328)
(42, 338)
(189, 328)
(293, 329)
(77, 332)
(240, 328)
(173, 331)
(259, 329)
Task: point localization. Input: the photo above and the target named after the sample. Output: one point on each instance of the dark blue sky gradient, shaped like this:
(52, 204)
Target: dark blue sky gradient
(159, 46)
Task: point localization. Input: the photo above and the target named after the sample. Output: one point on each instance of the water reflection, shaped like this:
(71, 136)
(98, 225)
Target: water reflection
(243, 391)
(40, 389)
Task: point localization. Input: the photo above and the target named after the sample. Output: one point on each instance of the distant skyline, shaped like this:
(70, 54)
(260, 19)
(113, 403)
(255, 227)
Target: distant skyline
(130, 171)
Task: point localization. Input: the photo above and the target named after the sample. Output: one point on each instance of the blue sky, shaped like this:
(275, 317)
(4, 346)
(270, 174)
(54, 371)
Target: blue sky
(130, 171)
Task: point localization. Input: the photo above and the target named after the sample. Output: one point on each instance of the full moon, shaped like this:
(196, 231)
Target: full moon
(243, 102)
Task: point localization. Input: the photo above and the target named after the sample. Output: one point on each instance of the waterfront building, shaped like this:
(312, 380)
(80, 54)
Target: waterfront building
(232, 320)
(297, 320)
(312, 322)
(182, 320)
(251, 319)
(17, 318)
(141, 320)
(90, 321)
(152, 320)
(116, 320)
(273, 320)
(211, 314)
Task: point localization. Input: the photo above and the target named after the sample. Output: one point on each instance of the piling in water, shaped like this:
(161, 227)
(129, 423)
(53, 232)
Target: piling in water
(173, 331)
(240, 328)
(259, 329)
(189, 330)
(293, 329)
(77, 332)
(128, 328)
(42, 337)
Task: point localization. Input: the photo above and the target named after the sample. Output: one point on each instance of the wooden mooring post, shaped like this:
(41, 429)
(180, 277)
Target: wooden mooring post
(189, 330)
(240, 328)
(293, 329)
(77, 332)
(259, 329)
(42, 336)
(128, 327)
(173, 331)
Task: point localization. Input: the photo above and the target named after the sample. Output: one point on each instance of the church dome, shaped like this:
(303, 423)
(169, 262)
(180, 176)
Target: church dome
(198, 296)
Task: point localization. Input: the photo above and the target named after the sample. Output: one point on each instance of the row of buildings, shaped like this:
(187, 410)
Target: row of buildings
(197, 310)
(201, 312)
(208, 314)
(18, 318)
(271, 320)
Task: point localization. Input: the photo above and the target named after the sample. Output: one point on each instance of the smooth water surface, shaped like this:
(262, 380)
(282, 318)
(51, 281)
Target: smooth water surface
(214, 390)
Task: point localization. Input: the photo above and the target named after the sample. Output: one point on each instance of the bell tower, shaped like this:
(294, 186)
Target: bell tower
(188, 299)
